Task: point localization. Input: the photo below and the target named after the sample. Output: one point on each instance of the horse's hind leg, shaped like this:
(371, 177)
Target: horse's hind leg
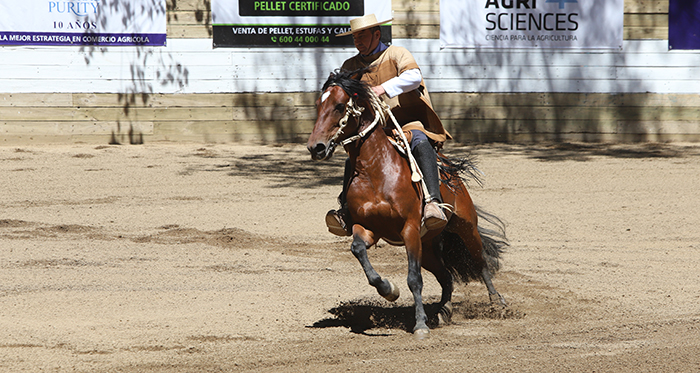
(494, 296)
(433, 262)
(475, 246)
(468, 232)
(384, 287)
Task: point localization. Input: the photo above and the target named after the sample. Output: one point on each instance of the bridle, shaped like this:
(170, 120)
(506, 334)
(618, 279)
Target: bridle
(352, 109)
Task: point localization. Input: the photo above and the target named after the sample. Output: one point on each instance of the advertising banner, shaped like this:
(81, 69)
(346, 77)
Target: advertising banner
(684, 24)
(83, 22)
(291, 23)
(531, 23)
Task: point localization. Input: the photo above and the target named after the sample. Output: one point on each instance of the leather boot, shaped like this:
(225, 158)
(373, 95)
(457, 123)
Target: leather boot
(433, 216)
(337, 222)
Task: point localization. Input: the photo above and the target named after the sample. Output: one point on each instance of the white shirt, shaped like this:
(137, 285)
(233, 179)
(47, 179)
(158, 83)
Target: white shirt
(405, 82)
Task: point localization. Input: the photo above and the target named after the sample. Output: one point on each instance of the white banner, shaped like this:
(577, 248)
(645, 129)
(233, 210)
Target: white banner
(83, 22)
(531, 23)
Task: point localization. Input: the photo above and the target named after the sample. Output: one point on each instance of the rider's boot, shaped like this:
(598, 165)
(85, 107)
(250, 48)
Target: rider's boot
(338, 221)
(433, 216)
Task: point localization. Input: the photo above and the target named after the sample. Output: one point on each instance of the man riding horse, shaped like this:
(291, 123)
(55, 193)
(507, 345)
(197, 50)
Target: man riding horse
(395, 77)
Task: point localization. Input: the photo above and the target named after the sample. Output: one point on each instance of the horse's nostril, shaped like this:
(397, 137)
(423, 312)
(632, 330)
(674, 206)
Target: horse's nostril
(320, 149)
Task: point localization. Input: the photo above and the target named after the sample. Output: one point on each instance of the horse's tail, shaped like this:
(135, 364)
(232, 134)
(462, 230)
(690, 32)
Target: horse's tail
(492, 230)
(459, 169)
(493, 238)
(457, 257)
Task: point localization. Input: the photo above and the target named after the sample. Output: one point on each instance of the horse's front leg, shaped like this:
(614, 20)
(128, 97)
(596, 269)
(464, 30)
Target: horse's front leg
(415, 279)
(362, 240)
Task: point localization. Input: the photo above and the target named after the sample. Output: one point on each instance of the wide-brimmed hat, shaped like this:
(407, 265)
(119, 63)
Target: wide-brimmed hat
(363, 23)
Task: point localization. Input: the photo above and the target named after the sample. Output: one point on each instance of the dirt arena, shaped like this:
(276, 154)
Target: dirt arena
(201, 258)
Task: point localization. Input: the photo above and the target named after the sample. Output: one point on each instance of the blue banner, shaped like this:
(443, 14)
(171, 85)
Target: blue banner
(684, 24)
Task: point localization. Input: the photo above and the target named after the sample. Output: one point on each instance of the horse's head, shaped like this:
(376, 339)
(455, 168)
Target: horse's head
(338, 111)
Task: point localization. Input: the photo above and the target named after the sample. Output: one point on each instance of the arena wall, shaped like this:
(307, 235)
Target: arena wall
(189, 91)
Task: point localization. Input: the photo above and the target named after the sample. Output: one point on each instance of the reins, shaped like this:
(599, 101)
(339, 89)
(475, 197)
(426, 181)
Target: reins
(380, 109)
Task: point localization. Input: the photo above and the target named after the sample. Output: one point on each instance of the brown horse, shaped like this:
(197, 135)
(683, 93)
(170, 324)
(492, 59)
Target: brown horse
(385, 204)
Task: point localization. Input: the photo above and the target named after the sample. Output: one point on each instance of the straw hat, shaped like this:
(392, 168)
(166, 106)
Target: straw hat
(363, 23)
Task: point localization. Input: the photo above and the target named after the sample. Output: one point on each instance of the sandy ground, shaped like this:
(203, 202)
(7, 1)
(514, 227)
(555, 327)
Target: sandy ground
(194, 258)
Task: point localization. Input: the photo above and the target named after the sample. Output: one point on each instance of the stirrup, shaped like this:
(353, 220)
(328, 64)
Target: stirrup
(336, 223)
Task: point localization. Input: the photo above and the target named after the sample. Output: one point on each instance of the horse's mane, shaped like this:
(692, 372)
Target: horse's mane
(350, 82)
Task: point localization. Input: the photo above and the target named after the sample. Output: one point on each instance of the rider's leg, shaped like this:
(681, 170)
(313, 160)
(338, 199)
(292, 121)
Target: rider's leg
(423, 152)
(338, 221)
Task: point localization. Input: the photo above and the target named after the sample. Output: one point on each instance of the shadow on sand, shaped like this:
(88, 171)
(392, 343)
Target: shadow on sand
(362, 315)
(566, 151)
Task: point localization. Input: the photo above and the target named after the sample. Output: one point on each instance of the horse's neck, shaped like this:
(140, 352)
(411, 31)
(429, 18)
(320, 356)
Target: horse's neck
(374, 152)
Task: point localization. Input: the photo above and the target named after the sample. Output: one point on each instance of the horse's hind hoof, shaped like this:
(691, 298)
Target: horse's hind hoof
(497, 299)
(421, 334)
(393, 294)
(445, 314)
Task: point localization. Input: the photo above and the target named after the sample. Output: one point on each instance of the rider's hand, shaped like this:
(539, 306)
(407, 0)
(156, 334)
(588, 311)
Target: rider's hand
(378, 90)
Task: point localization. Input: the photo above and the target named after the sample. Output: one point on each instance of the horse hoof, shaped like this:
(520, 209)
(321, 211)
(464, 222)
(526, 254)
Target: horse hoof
(421, 334)
(393, 293)
(498, 299)
(445, 314)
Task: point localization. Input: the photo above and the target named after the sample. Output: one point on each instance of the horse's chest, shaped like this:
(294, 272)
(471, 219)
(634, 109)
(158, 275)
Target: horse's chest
(371, 209)
(375, 196)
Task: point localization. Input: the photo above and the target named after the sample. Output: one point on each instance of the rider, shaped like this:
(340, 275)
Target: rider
(396, 78)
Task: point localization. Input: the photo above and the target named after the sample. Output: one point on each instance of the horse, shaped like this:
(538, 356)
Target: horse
(384, 203)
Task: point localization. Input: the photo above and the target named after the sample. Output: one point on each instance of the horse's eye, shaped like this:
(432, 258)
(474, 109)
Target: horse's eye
(340, 107)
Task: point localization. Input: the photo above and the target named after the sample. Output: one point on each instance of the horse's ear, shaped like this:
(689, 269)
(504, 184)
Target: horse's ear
(331, 78)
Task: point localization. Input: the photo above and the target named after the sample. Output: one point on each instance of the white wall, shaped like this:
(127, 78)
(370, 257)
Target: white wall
(192, 66)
